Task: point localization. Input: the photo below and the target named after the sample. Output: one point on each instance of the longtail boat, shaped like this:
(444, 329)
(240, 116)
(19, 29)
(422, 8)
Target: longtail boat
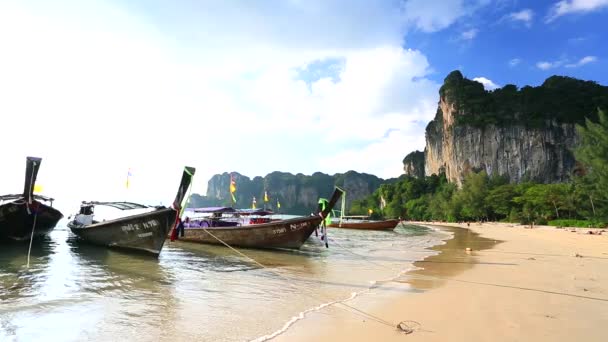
(362, 222)
(26, 216)
(145, 230)
(287, 233)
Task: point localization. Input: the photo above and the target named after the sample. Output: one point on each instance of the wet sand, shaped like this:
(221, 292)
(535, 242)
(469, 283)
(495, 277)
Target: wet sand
(516, 284)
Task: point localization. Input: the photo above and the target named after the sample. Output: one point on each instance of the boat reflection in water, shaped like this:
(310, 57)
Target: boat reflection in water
(16, 279)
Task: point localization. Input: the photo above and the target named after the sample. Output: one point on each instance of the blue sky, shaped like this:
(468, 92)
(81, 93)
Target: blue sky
(309, 85)
(505, 42)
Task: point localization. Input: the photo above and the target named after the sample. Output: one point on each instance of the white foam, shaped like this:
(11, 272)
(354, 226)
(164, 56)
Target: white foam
(301, 316)
(353, 295)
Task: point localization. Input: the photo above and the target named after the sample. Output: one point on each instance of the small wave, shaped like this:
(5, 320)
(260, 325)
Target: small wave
(373, 284)
(301, 316)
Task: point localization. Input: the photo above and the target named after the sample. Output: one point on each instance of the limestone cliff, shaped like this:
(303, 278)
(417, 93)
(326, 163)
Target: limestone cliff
(525, 134)
(413, 164)
(298, 194)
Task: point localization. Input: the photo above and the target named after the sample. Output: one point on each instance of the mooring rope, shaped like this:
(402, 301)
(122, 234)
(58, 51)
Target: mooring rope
(27, 206)
(357, 311)
(29, 251)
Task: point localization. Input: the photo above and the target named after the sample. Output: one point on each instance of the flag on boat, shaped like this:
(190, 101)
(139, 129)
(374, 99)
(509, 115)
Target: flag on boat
(278, 204)
(37, 188)
(323, 203)
(232, 188)
(253, 203)
(370, 211)
(128, 176)
(266, 199)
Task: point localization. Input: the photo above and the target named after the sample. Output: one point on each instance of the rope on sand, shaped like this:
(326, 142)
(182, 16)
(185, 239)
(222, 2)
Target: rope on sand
(408, 327)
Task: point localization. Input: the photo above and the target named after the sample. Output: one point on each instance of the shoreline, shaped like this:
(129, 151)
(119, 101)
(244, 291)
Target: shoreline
(542, 284)
(373, 285)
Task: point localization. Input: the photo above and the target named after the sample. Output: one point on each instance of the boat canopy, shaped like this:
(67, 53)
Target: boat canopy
(259, 212)
(212, 210)
(118, 205)
(18, 196)
(224, 210)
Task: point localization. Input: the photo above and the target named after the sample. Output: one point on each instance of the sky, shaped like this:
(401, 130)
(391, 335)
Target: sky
(96, 88)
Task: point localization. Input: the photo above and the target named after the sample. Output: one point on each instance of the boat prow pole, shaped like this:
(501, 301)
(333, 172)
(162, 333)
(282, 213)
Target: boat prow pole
(335, 197)
(185, 183)
(32, 165)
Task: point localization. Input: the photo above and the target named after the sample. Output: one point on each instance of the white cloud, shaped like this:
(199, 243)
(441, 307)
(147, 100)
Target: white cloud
(431, 16)
(103, 88)
(487, 83)
(374, 155)
(544, 65)
(515, 62)
(565, 7)
(525, 16)
(469, 34)
(583, 61)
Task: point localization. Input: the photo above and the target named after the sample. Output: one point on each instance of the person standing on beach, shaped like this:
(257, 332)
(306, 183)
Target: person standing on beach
(180, 227)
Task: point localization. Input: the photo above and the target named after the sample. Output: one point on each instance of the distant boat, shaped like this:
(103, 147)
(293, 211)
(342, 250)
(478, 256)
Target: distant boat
(261, 233)
(25, 216)
(360, 222)
(363, 222)
(144, 231)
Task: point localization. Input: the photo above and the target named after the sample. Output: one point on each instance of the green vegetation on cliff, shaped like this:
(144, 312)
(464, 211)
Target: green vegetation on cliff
(559, 98)
(413, 164)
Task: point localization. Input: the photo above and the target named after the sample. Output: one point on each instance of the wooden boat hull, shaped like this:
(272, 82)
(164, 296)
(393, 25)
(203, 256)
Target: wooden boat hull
(143, 232)
(16, 223)
(371, 225)
(291, 233)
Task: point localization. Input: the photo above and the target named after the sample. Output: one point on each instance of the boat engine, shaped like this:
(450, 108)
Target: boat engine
(85, 216)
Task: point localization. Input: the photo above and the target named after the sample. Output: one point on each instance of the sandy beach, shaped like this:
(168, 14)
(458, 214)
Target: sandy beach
(517, 284)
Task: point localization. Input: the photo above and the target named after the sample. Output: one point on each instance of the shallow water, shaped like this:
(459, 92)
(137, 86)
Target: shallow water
(75, 292)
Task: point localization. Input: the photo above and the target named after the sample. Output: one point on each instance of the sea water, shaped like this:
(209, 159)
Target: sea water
(77, 292)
